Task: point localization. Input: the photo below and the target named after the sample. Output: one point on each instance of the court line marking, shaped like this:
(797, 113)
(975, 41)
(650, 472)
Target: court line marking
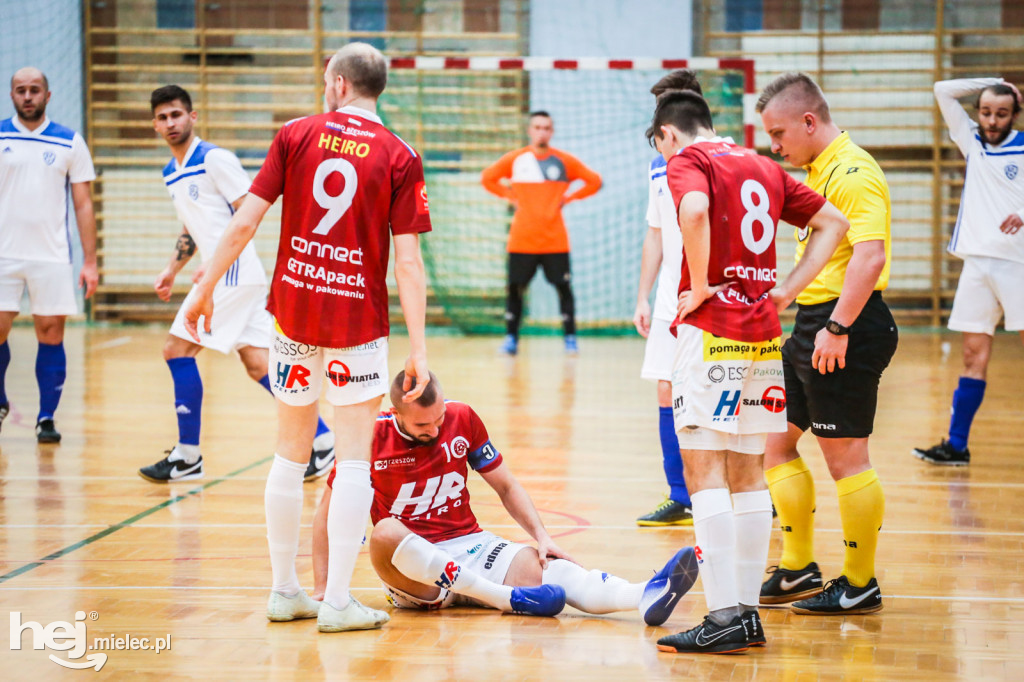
(264, 588)
(113, 343)
(127, 522)
(551, 526)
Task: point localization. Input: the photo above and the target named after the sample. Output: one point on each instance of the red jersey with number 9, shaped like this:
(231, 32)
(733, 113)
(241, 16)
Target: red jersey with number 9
(748, 195)
(348, 184)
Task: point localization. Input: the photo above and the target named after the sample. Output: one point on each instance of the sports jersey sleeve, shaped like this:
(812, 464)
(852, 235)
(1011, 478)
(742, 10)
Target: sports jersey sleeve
(687, 173)
(653, 216)
(410, 213)
(482, 455)
(947, 95)
(81, 168)
(230, 179)
(863, 192)
(801, 203)
(577, 170)
(269, 182)
(501, 169)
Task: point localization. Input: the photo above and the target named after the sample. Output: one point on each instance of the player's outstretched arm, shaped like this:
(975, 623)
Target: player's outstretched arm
(184, 249)
(519, 505)
(650, 262)
(239, 232)
(828, 226)
(86, 218)
(412, 295)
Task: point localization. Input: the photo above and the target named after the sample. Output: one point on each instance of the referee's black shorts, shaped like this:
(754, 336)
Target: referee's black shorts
(841, 403)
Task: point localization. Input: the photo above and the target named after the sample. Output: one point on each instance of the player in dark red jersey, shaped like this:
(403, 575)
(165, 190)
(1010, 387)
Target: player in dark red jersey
(429, 550)
(727, 376)
(348, 184)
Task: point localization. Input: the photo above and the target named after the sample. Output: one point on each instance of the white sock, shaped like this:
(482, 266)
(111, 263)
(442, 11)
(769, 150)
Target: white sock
(184, 453)
(417, 559)
(715, 530)
(282, 500)
(753, 514)
(346, 527)
(592, 591)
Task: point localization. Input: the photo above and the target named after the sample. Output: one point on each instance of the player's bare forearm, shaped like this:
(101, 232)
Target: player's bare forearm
(239, 232)
(650, 263)
(828, 226)
(862, 272)
(86, 217)
(516, 501)
(696, 228)
(412, 290)
(184, 249)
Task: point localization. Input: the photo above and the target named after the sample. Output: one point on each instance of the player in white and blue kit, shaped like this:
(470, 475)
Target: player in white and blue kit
(989, 239)
(207, 184)
(663, 246)
(40, 160)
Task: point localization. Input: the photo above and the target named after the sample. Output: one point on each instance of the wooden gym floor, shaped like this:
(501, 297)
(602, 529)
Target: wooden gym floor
(82, 532)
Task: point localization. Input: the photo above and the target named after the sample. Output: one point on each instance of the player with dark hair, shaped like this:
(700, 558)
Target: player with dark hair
(431, 553)
(663, 248)
(842, 341)
(988, 237)
(348, 184)
(41, 160)
(729, 202)
(207, 185)
(538, 178)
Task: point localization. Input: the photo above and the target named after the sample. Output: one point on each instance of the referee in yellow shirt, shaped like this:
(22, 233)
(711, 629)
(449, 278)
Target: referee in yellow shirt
(843, 339)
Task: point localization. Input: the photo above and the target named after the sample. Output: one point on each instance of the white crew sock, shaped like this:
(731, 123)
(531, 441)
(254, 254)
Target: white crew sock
(593, 591)
(184, 453)
(753, 514)
(282, 500)
(346, 527)
(417, 559)
(715, 530)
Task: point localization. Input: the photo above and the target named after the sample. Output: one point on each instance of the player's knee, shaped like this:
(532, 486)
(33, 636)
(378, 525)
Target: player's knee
(387, 535)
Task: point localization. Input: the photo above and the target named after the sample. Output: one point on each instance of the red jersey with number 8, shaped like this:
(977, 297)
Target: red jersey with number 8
(348, 184)
(748, 195)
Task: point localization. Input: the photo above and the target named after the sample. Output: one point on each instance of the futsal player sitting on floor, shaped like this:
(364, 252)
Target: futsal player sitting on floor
(431, 553)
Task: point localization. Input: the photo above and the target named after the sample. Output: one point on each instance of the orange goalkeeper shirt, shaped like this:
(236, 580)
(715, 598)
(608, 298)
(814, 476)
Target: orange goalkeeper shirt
(537, 184)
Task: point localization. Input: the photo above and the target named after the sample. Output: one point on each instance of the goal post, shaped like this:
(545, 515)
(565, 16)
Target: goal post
(463, 113)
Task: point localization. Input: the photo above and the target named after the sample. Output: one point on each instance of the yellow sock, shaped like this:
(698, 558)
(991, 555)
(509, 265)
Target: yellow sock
(861, 508)
(792, 489)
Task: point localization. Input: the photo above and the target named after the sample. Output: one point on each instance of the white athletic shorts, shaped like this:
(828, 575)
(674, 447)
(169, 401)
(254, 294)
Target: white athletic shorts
(989, 288)
(240, 319)
(51, 286)
(732, 393)
(353, 375)
(659, 352)
(483, 553)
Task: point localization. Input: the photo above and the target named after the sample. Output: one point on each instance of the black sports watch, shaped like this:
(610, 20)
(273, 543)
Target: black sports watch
(835, 328)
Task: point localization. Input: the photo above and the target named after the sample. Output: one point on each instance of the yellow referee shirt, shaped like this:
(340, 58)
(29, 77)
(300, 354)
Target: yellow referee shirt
(850, 178)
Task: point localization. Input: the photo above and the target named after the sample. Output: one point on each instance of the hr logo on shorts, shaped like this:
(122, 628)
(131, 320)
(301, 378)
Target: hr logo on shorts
(448, 576)
(728, 405)
(290, 375)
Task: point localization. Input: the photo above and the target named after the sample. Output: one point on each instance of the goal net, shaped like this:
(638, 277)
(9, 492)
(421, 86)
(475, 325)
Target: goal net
(464, 113)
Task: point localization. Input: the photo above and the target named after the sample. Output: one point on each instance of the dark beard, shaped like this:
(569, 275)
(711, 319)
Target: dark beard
(1002, 137)
(37, 116)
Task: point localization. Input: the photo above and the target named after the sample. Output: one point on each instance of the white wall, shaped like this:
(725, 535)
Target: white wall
(611, 28)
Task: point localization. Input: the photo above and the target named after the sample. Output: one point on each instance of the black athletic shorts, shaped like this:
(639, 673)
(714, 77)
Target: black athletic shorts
(523, 266)
(841, 403)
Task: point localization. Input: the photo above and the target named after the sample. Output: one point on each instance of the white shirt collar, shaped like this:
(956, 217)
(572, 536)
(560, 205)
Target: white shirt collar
(39, 129)
(360, 112)
(188, 155)
(716, 138)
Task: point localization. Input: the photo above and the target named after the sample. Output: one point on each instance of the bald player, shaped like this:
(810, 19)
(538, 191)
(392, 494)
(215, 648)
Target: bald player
(39, 160)
(844, 337)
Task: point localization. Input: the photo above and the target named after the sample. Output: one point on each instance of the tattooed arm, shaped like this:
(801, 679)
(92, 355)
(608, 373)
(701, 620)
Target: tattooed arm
(184, 249)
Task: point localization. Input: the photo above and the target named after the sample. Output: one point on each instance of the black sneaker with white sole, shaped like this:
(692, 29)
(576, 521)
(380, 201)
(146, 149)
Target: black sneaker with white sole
(708, 638)
(173, 471)
(787, 585)
(320, 463)
(5, 409)
(46, 431)
(944, 454)
(840, 597)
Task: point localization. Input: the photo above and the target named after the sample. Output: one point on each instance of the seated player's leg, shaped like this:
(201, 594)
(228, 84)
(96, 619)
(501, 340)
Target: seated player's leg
(420, 574)
(183, 461)
(557, 271)
(297, 382)
(521, 269)
(659, 354)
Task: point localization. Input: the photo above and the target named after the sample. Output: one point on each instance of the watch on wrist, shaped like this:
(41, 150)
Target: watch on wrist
(835, 328)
